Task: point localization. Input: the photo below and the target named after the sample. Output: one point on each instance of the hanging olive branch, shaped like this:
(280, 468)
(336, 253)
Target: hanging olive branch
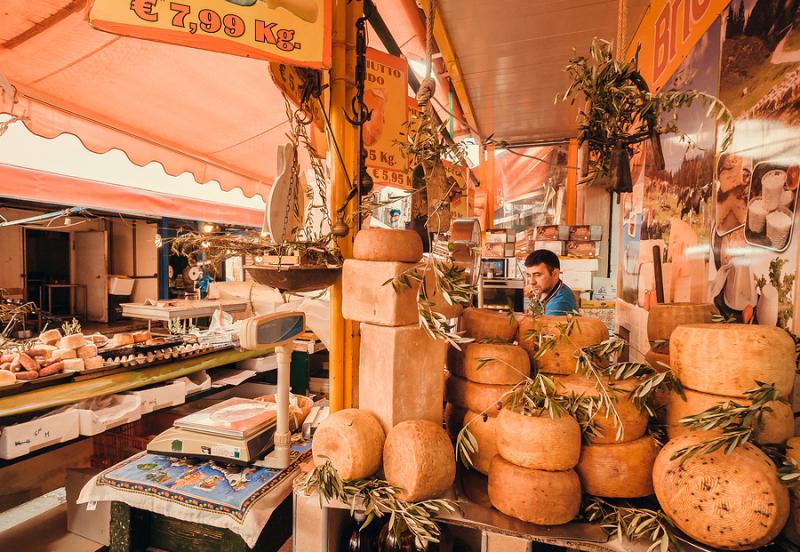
(377, 498)
(737, 422)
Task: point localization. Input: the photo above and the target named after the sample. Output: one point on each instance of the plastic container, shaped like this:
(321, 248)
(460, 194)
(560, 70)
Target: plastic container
(162, 396)
(120, 285)
(196, 383)
(20, 439)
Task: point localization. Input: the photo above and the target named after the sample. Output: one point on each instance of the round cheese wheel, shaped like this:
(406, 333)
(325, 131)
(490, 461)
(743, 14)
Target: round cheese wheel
(476, 487)
(727, 359)
(536, 496)
(122, 339)
(728, 501)
(50, 337)
(663, 318)
(560, 359)
(419, 458)
(478, 397)
(634, 421)
(73, 365)
(73, 341)
(488, 324)
(353, 441)
(7, 377)
(776, 426)
(490, 363)
(93, 363)
(657, 361)
(380, 244)
(87, 351)
(484, 431)
(792, 529)
(623, 470)
(63, 354)
(538, 442)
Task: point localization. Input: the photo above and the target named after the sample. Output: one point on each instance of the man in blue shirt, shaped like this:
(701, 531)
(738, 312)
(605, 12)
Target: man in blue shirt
(544, 273)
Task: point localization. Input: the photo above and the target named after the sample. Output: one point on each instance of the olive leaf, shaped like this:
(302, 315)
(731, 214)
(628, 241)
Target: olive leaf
(633, 523)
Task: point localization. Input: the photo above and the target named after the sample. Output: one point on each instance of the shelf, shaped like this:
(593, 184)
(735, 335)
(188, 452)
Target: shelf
(59, 395)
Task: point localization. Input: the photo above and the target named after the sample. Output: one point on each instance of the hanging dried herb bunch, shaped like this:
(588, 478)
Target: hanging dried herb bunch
(620, 112)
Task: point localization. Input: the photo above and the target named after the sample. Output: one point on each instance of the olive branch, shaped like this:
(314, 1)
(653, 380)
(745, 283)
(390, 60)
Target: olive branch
(72, 327)
(629, 522)
(377, 498)
(737, 422)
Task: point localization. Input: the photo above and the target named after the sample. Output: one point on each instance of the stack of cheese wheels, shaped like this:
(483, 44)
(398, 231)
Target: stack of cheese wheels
(532, 478)
(78, 352)
(479, 375)
(717, 363)
(559, 359)
(614, 463)
(726, 500)
(663, 318)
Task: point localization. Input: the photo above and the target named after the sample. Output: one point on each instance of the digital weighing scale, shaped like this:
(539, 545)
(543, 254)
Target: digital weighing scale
(248, 441)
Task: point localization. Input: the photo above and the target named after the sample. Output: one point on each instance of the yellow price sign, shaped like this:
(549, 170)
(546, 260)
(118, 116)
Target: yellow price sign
(291, 31)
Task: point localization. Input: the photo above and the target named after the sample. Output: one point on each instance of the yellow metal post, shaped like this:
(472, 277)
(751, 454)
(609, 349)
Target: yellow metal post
(341, 346)
(491, 186)
(571, 199)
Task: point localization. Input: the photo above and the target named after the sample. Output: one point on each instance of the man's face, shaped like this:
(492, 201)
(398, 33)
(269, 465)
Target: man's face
(541, 279)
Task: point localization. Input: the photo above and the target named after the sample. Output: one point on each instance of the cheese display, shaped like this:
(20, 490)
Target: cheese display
(538, 442)
(480, 324)
(560, 358)
(620, 470)
(352, 440)
(419, 458)
(496, 364)
(379, 244)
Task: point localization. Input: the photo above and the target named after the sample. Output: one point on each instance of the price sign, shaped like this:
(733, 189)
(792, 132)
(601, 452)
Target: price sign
(292, 31)
(288, 79)
(386, 93)
(458, 194)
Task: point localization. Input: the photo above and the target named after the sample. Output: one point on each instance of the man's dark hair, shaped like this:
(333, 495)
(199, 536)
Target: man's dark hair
(543, 256)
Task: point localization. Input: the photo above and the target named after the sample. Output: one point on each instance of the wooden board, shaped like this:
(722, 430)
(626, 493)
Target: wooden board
(181, 309)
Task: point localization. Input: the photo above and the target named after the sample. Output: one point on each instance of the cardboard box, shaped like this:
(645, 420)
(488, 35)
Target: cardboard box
(585, 232)
(97, 416)
(90, 524)
(162, 396)
(498, 249)
(574, 263)
(556, 247)
(552, 232)
(500, 235)
(583, 248)
(578, 280)
(20, 439)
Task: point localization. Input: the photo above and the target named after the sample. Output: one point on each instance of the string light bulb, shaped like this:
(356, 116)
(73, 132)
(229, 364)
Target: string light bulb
(205, 245)
(67, 221)
(208, 228)
(158, 242)
(259, 258)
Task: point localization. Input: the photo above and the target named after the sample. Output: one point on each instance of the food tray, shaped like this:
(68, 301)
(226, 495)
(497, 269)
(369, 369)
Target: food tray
(29, 385)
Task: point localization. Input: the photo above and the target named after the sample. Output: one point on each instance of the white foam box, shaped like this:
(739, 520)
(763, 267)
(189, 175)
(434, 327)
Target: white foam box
(578, 280)
(576, 264)
(162, 396)
(557, 247)
(90, 524)
(260, 364)
(20, 439)
(197, 382)
(128, 408)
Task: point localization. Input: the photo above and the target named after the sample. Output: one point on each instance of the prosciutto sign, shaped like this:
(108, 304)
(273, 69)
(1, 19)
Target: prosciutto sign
(297, 32)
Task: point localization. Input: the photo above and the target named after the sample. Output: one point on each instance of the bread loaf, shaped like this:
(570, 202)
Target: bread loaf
(419, 458)
(488, 324)
(50, 337)
(63, 354)
(489, 363)
(541, 497)
(87, 351)
(560, 359)
(93, 363)
(353, 441)
(728, 501)
(73, 341)
(379, 244)
(538, 442)
(623, 470)
(7, 378)
(141, 336)
(74, 365)
(728, 359)
(478, 397)
(122, 339)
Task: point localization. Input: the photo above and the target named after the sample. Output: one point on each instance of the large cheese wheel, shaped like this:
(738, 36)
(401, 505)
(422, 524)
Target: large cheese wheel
(353, 441)
(623, 470)
(728, 359)
(729, 501)
(541, 497)
(663, 318)
(776, 426)
(792, 529)
(495, 364)
(478, 397)
(538, 442)
(658, 361)
(560, 359)
(380, 244)
(419, 458)
(74, 341)
(489, 324)
(476, 487)
(634, 421)
(484, 429)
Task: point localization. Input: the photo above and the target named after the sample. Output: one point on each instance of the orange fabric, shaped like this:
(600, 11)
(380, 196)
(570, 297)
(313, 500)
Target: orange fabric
(51, 188)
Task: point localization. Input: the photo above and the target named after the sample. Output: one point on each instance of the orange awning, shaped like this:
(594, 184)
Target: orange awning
(50, 188)
(216, 116)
